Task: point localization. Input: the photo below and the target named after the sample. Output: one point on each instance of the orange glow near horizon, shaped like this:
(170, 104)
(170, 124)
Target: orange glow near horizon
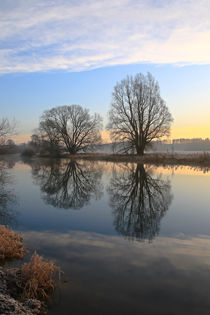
(190, 132)
(176, 133)
(18, 139)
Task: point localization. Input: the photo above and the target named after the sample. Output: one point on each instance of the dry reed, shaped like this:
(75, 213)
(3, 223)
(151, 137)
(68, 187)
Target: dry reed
(11, 245)
(37, 278)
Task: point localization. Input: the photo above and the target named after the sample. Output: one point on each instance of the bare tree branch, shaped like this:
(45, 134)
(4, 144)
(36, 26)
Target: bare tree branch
(72, 127)
(139, 200)
(138, 114)
(7, 128)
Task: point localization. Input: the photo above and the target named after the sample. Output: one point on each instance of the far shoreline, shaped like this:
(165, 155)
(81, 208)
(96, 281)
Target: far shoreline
(163, 159)
(194, 159)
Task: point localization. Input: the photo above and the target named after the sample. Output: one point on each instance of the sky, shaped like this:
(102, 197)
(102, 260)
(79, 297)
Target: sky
(74, 51)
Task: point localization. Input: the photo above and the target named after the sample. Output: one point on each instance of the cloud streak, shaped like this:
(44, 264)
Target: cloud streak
(87, 34)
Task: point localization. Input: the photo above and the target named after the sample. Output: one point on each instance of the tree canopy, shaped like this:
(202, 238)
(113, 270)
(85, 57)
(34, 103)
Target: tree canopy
(6, 129)
(139, 200)
(71, 127)
(138, 114)
(68, 184)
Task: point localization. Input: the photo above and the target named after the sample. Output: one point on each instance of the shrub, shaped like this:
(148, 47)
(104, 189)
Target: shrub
(28, 152)
(37, 278)
(11, 245)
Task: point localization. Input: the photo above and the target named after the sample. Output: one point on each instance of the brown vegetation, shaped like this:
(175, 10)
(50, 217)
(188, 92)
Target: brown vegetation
(11, 245)
(196, 159)
(22, 289)
(37, 278)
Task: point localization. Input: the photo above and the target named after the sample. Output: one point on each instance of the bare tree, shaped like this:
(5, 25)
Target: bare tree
(68, 184)
(49, 137)
(6, 129)
(72, 127)
(139, 200)
(138, 114)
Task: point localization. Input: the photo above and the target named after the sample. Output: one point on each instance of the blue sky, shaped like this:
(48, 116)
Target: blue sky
(73, 52)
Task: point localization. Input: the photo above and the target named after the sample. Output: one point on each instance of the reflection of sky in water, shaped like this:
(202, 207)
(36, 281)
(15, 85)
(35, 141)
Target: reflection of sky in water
(108, 275)
(107, 272)
(188, 213)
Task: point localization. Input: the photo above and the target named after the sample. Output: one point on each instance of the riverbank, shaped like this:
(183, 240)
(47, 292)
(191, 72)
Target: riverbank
(9, 290)
(196, 159)
(26, 289)
(188, 159)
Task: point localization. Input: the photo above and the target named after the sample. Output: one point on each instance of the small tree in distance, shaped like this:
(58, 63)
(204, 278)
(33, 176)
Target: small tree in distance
(71, 127)
(138, 114)
(7, 128)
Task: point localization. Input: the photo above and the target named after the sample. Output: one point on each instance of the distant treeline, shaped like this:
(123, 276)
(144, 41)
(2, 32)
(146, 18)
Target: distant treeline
(182, 144)
(170, 145)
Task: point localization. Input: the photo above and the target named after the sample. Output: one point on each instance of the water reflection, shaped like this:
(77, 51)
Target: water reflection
(139, 201)
(169, 276)
(68, 184)
(7, 196)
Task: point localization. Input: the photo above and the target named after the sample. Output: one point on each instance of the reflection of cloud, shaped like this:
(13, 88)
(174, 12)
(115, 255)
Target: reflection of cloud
(79, 35)
(182, 252)
(109, 273)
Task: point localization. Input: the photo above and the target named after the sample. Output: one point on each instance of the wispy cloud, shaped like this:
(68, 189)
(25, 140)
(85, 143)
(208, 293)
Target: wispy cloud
(86, 34)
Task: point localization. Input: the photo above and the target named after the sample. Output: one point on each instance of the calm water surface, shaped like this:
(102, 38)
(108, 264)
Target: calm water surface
(130, 238)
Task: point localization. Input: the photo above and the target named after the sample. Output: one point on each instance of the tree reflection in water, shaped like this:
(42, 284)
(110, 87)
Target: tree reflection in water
(68, 184)
(139, 201)
(7, 196)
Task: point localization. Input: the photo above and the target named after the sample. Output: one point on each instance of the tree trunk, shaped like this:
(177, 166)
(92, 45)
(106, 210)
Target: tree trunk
(140, 149)
(73, 152)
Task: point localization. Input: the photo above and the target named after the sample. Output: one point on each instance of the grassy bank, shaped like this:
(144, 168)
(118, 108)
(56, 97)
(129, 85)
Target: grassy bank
(186, 159)
(195, 159)
(26, 289)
